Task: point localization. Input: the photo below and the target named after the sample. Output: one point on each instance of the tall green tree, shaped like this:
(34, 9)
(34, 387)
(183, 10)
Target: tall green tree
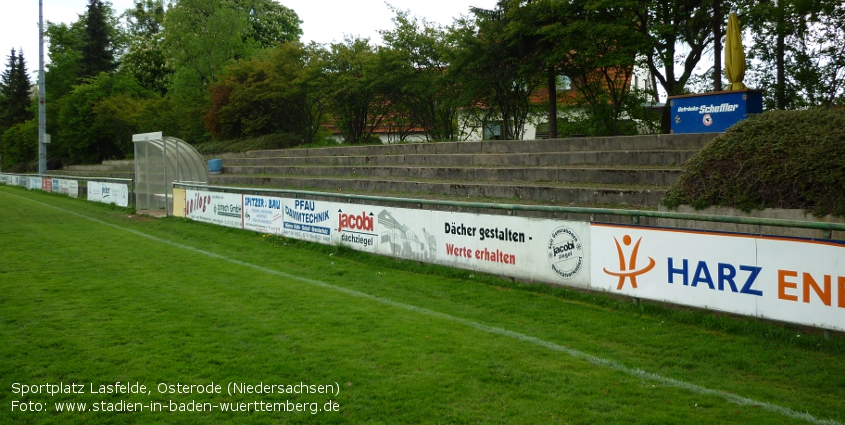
(359, 102)
(16, 116)
(797, 52)
(97, 53)
(424, 90)
(496, 79)
(269, 94)
(202, 37)
(678, 33)
(270, 23)
(16, 92)
(599, 53)
(146, 58)
(64, 49)
(99, 116)
(594, 44)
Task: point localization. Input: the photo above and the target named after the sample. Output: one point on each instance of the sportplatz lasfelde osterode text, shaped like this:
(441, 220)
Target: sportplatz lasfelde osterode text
(232, 388)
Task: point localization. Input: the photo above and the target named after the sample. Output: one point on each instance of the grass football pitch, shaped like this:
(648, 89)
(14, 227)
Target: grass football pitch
(109, 317)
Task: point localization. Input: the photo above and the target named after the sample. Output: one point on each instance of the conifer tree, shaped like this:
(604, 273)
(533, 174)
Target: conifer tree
(97, 54)
(16, 91)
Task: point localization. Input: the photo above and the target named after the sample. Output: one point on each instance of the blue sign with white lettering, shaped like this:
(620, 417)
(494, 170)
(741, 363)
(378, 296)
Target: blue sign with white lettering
(713, 112)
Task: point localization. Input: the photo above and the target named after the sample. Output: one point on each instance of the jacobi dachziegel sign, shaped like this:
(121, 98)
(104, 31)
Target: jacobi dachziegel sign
(791, 280)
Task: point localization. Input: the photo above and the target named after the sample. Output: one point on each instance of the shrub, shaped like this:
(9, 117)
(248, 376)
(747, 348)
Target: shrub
(779, 159)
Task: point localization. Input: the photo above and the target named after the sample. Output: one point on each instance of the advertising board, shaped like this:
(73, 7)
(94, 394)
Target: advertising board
(263, 214)
(542, 250)
(109, 193)
(68, 187)
(713, 112)
(307, 220)
(791, 280)
(224, 209)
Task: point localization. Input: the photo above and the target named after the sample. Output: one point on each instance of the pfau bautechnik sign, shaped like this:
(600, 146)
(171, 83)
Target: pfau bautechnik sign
(713, 112)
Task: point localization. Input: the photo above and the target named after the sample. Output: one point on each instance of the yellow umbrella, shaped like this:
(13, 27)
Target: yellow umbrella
(734, 55)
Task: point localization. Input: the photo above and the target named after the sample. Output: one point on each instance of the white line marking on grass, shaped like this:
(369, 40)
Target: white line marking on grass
(598, 361)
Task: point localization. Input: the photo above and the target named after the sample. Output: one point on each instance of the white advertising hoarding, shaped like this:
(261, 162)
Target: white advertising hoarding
(542, 250)
(34, 183)
(308, 220)
(225, 209)
(791, 280)
(109, 193)
(68, 187)
(263, 214)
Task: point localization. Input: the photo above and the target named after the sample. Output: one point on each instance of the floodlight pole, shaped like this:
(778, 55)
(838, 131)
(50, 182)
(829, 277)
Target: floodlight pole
(42, 113)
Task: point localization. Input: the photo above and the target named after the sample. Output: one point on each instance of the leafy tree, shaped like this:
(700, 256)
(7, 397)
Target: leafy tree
(669, 25)
(798, 51)
(496, 80)
(20, 145)
(594, 43)
(270, 23)
(146, 58)
(425, 92)
(358, 102)
(201, 37)
(268, 94)
(97, 53)
(65, 45)
(599, 53)
(98, 117)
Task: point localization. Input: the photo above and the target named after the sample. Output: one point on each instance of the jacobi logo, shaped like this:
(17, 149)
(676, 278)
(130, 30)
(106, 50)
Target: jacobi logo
(354, 222)
(628, 269)
(198, 203)
(565, 252)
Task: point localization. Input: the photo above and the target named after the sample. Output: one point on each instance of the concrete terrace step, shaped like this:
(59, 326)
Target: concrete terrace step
(104, 167)
(121, 162)
(94, 173)
(561, 194)
(623, 143)
(657, 157)
(645, 176)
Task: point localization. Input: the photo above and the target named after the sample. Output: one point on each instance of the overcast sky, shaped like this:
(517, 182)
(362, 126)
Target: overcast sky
(324, 21)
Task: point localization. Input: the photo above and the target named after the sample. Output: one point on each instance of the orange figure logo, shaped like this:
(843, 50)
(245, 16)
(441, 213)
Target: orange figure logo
(629, 270)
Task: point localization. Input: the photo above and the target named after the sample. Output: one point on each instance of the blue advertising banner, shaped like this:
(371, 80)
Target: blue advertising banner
(713, 112)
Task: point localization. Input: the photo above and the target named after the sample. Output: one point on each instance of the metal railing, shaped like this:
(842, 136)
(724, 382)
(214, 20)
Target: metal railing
(826, 227)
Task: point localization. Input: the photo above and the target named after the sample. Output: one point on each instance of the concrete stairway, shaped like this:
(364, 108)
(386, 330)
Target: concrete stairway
(124, 169)
(631, 171)
(614, 171)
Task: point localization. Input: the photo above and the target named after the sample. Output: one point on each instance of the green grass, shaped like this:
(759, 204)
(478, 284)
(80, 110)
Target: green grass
(85, 302)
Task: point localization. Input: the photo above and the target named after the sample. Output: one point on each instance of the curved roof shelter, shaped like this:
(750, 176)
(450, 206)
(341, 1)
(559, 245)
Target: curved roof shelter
(159, 161)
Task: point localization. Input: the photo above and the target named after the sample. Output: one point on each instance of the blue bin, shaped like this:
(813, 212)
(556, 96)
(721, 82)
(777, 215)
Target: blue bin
(215, 166)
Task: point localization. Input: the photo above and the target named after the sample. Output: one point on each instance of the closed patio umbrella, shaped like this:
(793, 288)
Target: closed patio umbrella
(734, 55)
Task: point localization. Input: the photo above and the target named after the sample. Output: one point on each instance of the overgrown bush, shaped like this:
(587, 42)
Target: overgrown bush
(779, 159)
